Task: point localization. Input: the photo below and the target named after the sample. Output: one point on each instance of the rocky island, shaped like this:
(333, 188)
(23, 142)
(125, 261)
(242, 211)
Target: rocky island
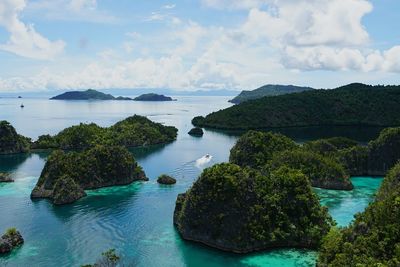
(197, 132)
(66, 175)
(153, 97)
(134, 131)
(10, 141)
(166, 180)
(10, 240)
(241, 210)
(89, 94)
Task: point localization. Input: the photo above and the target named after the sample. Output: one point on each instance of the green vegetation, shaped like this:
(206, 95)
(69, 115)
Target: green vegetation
(10, 141)
(198, 132)
(66, 175)
(131, 132)
(166, 179)
(354, 104)
(108, 259)
(89, 94)
(10, 240)
(152, 97)
(268, 90)
(255, 149)
(241, 210)
(373, 239)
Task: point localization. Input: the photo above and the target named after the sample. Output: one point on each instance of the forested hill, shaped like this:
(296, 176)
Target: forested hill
(353, 104)
(268, 90)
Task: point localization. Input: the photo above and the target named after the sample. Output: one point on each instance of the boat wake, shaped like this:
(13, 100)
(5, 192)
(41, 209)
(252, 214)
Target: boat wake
(203, 161)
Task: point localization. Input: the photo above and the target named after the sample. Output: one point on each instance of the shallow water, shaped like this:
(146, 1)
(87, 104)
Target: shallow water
(136, 220)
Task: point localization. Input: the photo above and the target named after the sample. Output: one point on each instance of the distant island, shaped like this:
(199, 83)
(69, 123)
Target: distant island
(153, 97)
(89, 94)
(351, 105)
(268, 90)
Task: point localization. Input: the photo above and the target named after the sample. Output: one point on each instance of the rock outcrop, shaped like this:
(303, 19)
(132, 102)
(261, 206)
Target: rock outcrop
(10, 141)
(165, 179)
(241, 210)
(66, 175)
(198, 132)
(10, 240)
(5, 178)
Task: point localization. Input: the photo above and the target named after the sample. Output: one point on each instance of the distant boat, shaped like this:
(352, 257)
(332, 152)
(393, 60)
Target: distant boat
(19, 96)
(22, 106)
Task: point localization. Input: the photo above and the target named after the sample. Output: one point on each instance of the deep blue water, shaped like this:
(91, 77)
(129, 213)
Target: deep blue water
(136, 220)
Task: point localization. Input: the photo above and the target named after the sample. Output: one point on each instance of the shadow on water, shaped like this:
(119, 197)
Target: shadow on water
(141, 153)
(10, 163)
(302, 134)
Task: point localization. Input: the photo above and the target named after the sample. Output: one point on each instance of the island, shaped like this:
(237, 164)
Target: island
(10, 141)
(241, 210)
(268, 90)
(5, 178)
(10, 240)
(197, 132)
(270, 151)
(89, 94)
(166, 180)
(66, 175)
(153, 97)
(350, 105)
(134, 131)
(372, 239)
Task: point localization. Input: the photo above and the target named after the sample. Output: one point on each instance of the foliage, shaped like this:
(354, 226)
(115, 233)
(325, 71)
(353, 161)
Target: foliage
(152, 97)
(324, 172)
(11, 231)
(196, 131)
(241, 210)
(10, 141)
(354, 104)
(131, 132)
(268, 90)
(373, 239)
(255, 149)
(330, 146)
(108, 259)
(89, 94)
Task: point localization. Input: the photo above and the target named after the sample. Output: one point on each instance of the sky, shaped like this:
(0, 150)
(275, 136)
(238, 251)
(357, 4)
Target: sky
(50, 45)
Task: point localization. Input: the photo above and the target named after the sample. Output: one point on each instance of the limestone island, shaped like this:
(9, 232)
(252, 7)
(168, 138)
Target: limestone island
(166, 180)
(89, 94)
(5, 178)
(134, 131)
(197, 132)
(10, 240)
(10, 141)
(153, 97)
(66, 175)
(242, 210)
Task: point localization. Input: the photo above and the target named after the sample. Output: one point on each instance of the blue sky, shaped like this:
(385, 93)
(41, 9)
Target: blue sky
(204, 44)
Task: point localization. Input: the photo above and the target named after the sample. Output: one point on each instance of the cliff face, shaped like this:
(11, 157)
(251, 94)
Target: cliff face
(10, 141)
(240, 210)
(66, 175)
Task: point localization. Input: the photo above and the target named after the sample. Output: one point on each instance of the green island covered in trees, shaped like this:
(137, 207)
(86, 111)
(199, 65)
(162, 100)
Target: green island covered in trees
(263, 197)
(66, 175)
(268, 90)
(134, 131)
(89, 94)
(153, 97)
(353, 105)
(242, 210)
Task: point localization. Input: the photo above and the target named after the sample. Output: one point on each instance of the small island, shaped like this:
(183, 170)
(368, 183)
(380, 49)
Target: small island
(66, 175)
(241, 210)
(89, 94)
(10, 240)
(166, 180)
(5, 178)
(153, 97)
(197, 132)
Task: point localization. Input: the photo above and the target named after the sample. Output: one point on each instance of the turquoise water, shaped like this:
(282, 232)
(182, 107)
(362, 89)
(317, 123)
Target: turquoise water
(136, 220)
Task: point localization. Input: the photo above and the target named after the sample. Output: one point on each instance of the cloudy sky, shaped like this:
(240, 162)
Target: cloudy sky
(197, 44)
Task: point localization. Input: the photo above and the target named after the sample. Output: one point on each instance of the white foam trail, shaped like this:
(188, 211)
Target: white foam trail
(203, 161)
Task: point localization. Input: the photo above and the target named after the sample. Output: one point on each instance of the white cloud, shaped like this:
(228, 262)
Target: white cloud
(24, 40)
